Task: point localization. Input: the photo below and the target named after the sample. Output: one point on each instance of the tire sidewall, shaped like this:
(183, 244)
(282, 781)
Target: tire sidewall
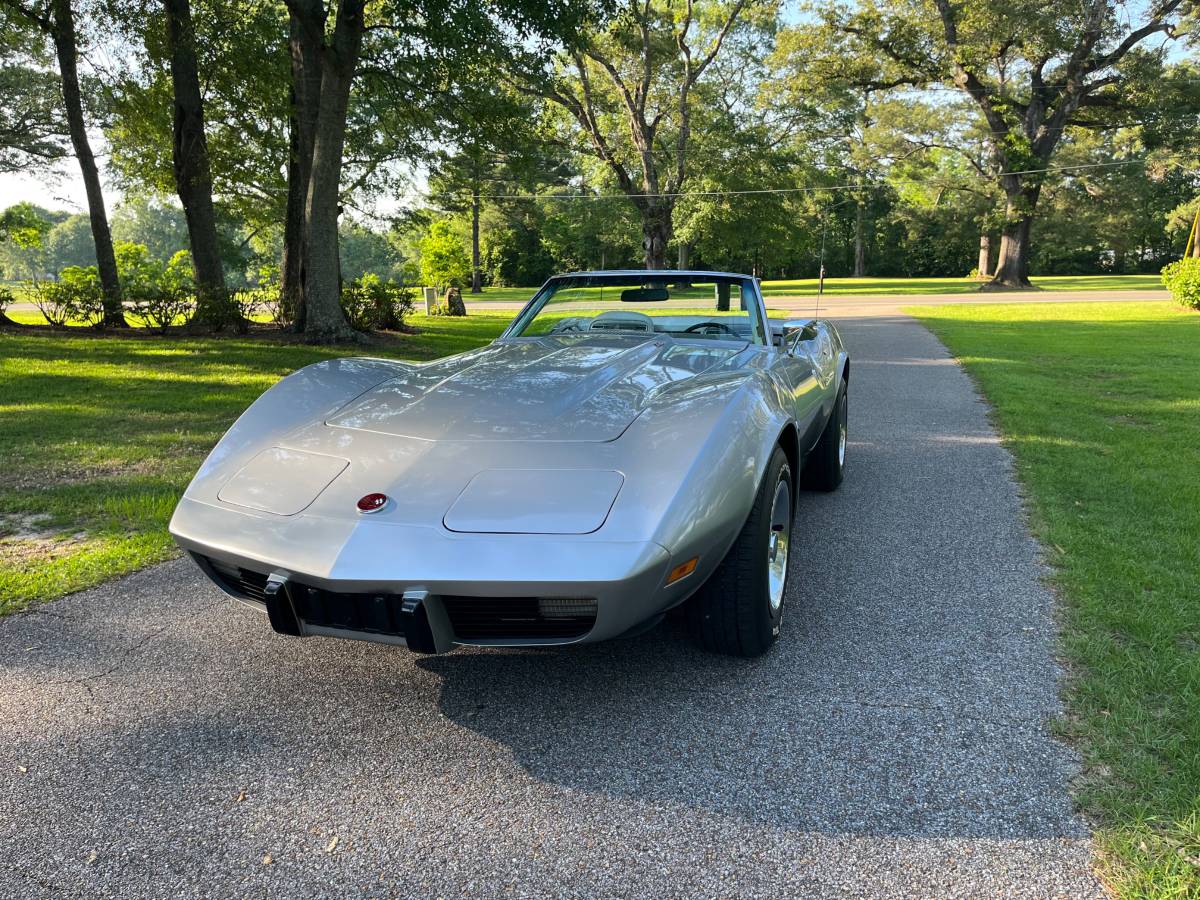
(773, 619)
(842, 418)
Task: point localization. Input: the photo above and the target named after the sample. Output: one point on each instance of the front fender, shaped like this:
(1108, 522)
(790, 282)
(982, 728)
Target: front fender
(307, 395)
(718, 447)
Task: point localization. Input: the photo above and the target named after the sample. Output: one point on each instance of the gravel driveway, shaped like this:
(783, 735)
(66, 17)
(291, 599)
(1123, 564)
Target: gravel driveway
(156, 740)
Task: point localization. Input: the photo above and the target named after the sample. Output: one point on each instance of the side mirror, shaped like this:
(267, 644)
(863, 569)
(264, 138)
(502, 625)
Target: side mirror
(798, 330)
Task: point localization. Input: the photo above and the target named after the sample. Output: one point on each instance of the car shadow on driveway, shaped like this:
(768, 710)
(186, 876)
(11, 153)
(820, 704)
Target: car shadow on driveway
(653, 719)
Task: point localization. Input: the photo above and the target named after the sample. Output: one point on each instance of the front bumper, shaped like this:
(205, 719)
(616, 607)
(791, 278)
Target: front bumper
(348, 577)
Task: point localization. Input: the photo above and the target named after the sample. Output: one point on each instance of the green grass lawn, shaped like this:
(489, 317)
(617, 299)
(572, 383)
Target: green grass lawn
(99, 435)
(803, 287)
(1100, 405)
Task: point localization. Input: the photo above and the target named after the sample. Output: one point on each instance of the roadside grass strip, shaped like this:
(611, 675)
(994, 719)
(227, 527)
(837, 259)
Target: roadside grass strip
(1100, 406)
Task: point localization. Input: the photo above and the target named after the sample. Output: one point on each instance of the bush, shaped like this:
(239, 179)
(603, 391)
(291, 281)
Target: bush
(157, 296)
(6, 300)
(266, 299)
(163, 309)
(1182, 279)
(371, 304)
(75, 297)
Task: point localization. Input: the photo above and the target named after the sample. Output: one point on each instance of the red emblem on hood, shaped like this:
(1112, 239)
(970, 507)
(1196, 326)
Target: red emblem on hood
(372, 502)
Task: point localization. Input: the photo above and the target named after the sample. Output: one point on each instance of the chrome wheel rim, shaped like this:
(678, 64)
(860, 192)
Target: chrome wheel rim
(777, 545)
(842, 442)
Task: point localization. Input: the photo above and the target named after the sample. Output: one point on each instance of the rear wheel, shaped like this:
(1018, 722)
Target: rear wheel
(739, 609)
(826, 465)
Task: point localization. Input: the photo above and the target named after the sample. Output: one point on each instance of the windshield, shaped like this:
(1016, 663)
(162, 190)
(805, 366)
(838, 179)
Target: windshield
(689, 307)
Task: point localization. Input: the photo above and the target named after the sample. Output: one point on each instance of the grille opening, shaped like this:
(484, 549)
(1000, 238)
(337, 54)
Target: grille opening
(519, 618)
(478, 619)
(242, 582)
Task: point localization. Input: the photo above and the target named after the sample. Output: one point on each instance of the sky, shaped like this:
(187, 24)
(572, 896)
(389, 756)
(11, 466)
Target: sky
(66, 192)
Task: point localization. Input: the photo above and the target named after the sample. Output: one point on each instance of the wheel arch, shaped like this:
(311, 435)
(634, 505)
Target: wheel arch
(789, 441)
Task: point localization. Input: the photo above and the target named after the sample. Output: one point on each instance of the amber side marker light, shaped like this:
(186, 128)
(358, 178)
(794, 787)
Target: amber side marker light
(683, 570)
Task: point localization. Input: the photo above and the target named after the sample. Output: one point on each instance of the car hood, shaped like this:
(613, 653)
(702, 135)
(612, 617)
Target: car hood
(569, 388)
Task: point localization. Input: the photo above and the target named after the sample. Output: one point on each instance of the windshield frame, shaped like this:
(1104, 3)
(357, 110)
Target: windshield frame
(759, 325)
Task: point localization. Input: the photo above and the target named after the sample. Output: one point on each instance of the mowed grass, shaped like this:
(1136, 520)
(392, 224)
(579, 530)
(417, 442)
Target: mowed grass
(804, 287)
(1100, 404)
(99, 435)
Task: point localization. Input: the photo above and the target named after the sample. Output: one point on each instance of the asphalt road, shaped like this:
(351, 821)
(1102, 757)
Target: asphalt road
(156, 740)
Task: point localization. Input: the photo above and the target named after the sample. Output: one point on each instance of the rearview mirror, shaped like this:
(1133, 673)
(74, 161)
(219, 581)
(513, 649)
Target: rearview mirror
(644, 294)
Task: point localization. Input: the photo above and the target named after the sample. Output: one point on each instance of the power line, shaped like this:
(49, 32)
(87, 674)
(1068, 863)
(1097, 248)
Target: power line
(797, 190)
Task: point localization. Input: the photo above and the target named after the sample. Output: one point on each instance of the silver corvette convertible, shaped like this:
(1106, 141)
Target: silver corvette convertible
(633, 442)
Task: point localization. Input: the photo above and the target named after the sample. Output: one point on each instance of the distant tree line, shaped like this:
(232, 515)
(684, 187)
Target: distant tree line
(306, 143)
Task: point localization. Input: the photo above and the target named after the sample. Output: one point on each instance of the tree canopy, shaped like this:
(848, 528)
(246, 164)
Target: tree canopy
(305, 144)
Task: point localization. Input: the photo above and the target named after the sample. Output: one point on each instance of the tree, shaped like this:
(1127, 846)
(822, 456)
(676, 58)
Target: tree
(324, 63)
(193, 174)
(31, 118)
(628, 88)
(364, 252)
(444, 260)
(24, 229)
(160, 225)
(1171, 108)
(407, 35)
(1031, 69)
(55, 19)
(497, 150)
(69, 243)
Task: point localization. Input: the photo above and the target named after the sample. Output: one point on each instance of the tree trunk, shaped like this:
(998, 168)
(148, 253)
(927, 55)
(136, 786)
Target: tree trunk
(985, 254)
(324, 319)
(67, 50)
(860, 247)
(304, 39)
(291, 296)
(685, 252)
(1012, 269)
(476, 275)
(656, 234)
(193, 175)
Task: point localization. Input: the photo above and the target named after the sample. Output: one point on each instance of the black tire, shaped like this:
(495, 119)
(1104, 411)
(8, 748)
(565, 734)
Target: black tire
(733, 613)
(826, 464)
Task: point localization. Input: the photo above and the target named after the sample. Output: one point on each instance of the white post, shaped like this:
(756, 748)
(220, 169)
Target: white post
(430, 299)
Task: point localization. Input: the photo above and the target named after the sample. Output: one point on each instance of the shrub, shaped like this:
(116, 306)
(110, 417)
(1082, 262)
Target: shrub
(156, 296)
(162, 309)
(6, 300)
(265, 299)
(1182, 279)
(371, 303)
(75, 297)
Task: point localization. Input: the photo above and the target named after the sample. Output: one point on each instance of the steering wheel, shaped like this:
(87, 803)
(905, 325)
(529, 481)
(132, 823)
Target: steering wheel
(720, 326)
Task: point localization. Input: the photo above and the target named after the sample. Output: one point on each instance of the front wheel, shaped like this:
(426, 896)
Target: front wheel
(826, 465)
(739, 609)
